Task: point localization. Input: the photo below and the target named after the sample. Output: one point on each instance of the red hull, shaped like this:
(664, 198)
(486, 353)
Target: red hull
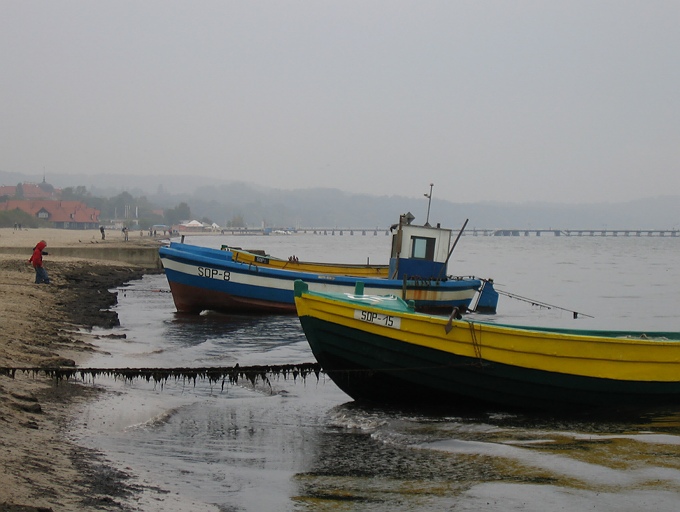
(190, 299)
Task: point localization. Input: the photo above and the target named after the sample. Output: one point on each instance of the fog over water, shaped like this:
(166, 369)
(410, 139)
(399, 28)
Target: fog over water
(563, 102)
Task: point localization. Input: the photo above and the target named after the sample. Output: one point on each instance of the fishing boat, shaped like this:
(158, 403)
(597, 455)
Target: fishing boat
(261, 259)
(379, 349)
(203, 278)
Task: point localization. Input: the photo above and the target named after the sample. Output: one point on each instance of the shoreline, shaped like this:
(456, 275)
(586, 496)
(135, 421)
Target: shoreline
(49, 325)
(140, 250)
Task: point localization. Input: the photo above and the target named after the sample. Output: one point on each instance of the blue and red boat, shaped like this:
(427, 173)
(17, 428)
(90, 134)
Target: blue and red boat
(203, 278)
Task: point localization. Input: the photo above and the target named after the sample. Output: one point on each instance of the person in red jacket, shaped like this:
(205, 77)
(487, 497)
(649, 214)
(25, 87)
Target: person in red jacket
(37, 262)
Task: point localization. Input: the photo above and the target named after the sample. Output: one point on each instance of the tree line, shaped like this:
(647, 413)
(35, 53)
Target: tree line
(133, 211)
(139, 211)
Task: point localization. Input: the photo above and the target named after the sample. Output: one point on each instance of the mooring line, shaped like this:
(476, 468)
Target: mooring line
(541, 304)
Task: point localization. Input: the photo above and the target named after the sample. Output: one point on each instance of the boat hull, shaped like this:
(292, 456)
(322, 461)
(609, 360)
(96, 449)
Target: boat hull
(356, 362)
(294, 264)
(207, 279)
(473, 367)
(193, 300)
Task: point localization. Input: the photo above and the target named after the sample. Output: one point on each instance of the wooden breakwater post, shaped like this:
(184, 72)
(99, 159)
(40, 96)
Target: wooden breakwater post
(213, 374)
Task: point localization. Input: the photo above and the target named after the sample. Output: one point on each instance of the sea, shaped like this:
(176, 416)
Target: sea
(303, 445)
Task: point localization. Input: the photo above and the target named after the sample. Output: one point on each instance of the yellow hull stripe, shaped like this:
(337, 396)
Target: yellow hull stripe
(588, 356)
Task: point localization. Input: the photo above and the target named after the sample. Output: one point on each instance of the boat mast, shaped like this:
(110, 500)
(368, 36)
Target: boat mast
(429, 202)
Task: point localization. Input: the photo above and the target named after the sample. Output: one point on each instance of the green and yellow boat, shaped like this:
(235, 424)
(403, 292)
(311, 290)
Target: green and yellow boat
(378, 349)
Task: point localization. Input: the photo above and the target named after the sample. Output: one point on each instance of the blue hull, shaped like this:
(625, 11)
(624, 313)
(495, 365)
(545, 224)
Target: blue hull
(201, 279)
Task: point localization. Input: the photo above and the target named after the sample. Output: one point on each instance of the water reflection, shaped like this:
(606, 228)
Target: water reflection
(385, 458)
(305, 446)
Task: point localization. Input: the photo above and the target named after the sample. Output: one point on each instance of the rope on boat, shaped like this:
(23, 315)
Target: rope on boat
(541, 304)
(230, 374)
(476, 344)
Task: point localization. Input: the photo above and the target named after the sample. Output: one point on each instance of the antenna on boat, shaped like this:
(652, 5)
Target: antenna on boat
(429, 202)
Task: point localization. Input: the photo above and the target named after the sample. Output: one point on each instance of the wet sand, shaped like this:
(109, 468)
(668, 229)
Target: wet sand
(48, 325)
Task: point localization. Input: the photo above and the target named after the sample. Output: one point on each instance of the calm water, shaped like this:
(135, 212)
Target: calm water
(304, 445)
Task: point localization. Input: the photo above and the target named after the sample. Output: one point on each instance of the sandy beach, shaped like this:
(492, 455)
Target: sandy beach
(47, 325)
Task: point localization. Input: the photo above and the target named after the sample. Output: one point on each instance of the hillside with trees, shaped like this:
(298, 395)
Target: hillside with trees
(240, 204)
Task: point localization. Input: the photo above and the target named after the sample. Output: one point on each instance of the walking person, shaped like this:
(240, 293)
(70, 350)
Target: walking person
(101, 230)
(37, 261)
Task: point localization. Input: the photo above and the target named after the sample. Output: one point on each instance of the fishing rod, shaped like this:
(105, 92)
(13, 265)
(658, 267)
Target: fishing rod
(446, 262)
(541, 304)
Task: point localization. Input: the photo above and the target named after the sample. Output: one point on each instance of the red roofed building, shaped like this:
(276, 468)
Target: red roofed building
(7, 190)
(62, 214)
(32, 191)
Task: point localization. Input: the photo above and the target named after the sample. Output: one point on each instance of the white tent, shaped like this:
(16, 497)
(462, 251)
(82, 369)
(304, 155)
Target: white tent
(193, 224)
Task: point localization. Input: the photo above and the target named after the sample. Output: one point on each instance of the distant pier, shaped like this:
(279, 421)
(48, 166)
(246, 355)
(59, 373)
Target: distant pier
(468, 232)
(507, 232)
(573, 232)
(345, 231)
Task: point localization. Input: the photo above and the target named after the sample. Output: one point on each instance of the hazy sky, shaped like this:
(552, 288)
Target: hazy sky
(569, 101)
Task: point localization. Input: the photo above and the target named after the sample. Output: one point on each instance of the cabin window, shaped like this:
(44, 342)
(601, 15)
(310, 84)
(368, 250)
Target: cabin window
(423, 248)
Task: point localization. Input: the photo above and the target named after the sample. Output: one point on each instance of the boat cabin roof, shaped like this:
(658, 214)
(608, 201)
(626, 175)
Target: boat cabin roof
(421, 243)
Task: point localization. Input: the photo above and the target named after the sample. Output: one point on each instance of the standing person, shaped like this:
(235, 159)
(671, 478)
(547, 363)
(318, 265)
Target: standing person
(125, 233)
(37, 262)
(101, 230)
